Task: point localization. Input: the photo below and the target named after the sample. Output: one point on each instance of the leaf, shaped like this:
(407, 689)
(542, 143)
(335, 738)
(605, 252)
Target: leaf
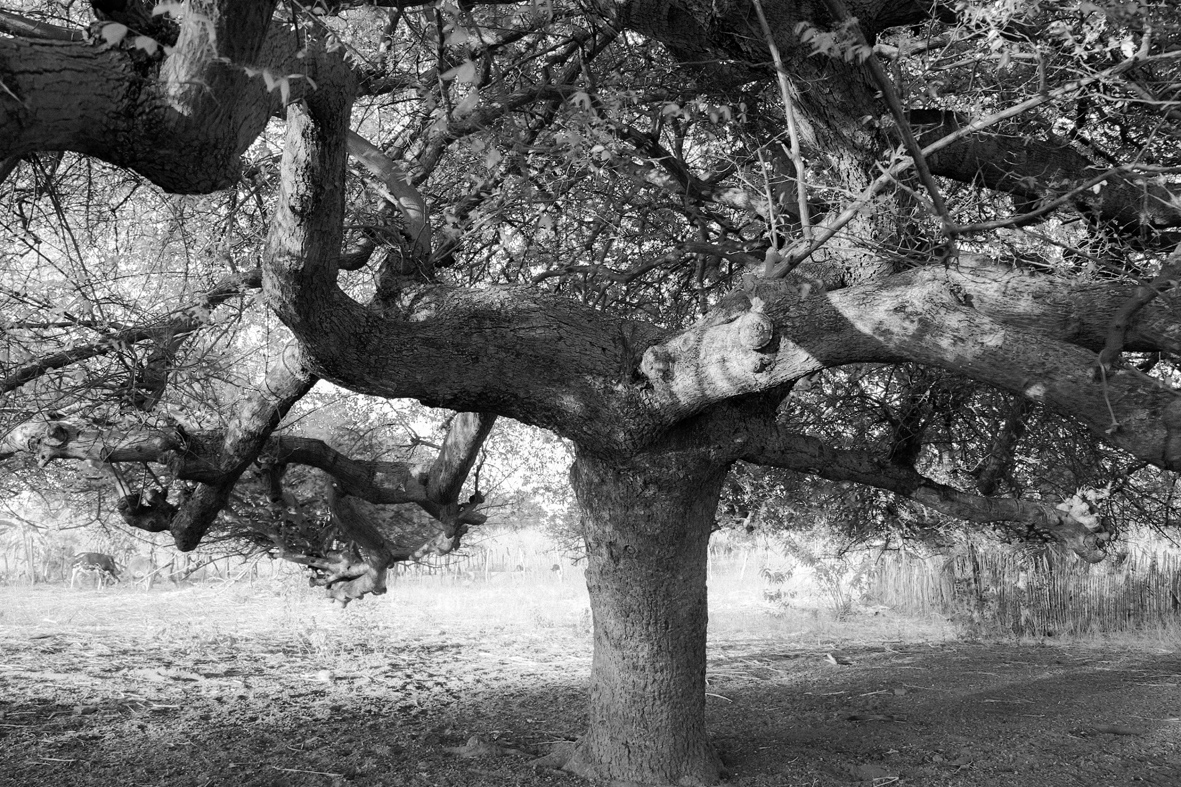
(465, 72)
(113, 33)
(170, 8)
(468, 104)
(458, 36)
(146, 43)
(439, 126)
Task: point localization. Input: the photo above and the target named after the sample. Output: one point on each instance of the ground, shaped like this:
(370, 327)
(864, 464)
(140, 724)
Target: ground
(464, 683)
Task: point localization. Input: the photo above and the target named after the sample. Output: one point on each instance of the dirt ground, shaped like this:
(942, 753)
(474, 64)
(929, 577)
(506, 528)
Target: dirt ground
(251, 687)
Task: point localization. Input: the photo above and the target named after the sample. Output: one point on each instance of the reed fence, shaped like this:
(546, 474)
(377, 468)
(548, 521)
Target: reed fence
(1041, 594)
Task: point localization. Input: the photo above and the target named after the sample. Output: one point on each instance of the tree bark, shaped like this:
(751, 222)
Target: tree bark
(182, 123)
(248, 431)
(647, 523)
(771, 445)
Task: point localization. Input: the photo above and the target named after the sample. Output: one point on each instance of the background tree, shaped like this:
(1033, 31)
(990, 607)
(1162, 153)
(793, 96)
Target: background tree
(674, 257)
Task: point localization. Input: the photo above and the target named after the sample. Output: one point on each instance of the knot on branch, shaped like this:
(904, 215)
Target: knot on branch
(657, 364)
(52, 442)
(755, 330)
(1084, 529)
(150, 511)
(346, 576)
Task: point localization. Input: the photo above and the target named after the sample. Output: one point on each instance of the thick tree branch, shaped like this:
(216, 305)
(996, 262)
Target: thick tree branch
(351, 573)
(1039, 171)
(1028, 334)
(352, 344)
(247, 434)
(924, 316)
(183, 123)
(17, 25)
(215, 465)
(1069, 310)
(300, 262)
(771, 445)
(457, 456)
(1121, 325)
(397, 189)
(196, 456)
(357, 496)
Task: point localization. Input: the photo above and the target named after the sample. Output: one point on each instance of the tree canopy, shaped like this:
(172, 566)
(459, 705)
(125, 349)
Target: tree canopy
(923, 247)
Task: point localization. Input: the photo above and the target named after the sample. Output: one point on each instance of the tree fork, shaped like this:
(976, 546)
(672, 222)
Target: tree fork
(646, 523)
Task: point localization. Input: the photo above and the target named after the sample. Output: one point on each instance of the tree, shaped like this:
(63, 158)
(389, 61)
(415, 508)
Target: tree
(651, 252)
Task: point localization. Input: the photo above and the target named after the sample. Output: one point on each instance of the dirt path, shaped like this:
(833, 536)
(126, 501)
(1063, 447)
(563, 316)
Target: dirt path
(201, 687)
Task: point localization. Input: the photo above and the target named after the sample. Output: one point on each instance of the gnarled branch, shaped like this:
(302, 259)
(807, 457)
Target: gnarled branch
(772, 445)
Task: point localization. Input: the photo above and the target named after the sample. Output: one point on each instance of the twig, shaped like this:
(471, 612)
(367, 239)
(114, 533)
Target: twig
(793, 133)
(772, 215)
(899, 112)
(1115, 424)
(315, 773)
(1033, 215)
(17, 25)
(831, 228)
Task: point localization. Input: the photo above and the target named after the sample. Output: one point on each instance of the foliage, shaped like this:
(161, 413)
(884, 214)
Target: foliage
(819, 565)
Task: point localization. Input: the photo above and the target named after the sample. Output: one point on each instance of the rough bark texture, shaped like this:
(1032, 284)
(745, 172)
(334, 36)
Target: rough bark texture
(646, 525)
(624, 391)
(930, 316)
(252, 424)
(183, 122)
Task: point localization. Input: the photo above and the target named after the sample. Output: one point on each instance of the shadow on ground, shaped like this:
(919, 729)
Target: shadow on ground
(293, 698)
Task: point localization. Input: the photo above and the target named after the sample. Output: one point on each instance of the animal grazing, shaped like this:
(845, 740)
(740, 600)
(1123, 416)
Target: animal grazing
(102, 566)
(143, 571)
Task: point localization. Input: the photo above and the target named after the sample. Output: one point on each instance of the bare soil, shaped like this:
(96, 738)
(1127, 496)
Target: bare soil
(252, 686)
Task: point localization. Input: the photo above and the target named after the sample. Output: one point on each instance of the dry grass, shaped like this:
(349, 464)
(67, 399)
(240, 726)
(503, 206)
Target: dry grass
(452, 606)
(485, 597)
(269, 685)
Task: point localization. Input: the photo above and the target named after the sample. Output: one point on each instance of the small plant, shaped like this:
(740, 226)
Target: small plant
(776, 594)
(840, 579)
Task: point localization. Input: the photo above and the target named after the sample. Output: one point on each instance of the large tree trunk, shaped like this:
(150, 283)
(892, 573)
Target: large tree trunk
(647, 523)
